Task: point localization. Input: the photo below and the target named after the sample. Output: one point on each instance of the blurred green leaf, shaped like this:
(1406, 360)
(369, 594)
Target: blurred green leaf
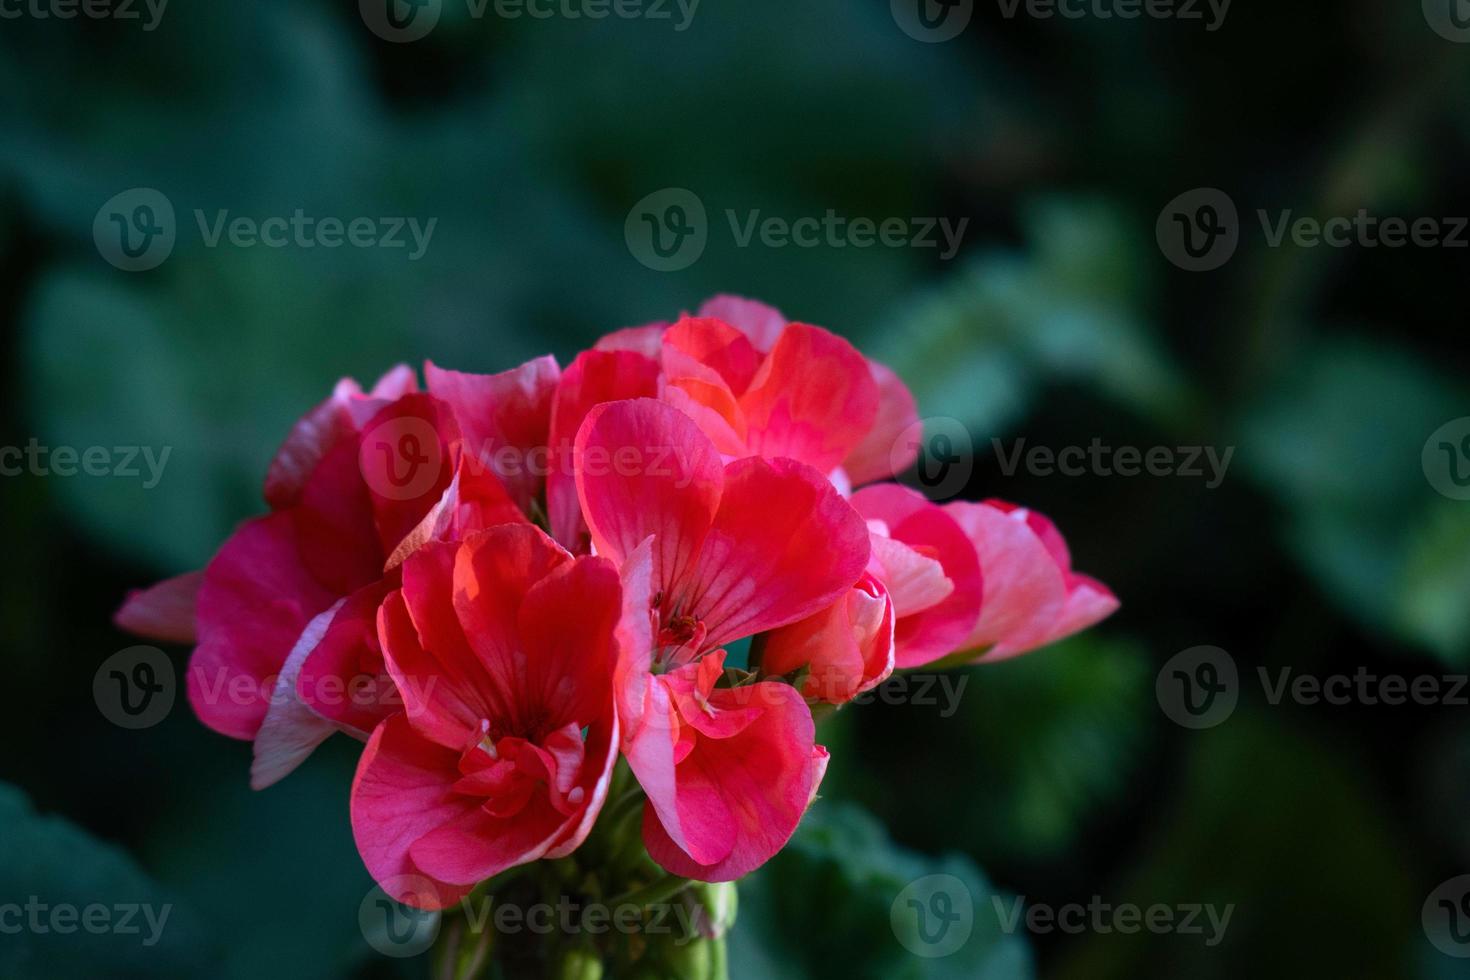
(79, 905)
(1337, 440)
(1280, 826)
(982, 346)
(823, 907)
(1049, 741)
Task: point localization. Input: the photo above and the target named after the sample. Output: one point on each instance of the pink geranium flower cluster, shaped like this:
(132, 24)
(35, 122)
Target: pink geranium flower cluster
(503, 584)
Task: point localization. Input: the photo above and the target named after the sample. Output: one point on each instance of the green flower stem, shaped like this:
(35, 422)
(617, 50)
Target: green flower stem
(463, 954)
(654, 893)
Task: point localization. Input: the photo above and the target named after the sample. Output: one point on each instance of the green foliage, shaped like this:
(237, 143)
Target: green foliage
(824, 908)
(88, 897)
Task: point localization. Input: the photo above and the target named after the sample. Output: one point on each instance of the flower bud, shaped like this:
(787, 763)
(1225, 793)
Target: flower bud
(579, 964)
(717, 903)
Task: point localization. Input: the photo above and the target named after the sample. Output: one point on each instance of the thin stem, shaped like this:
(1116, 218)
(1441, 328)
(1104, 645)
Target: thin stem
(654, 893)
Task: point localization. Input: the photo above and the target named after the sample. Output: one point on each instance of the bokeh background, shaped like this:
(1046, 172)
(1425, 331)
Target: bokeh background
(1061, 320)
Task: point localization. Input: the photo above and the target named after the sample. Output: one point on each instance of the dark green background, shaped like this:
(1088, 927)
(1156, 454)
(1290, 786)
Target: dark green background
(1325, 548)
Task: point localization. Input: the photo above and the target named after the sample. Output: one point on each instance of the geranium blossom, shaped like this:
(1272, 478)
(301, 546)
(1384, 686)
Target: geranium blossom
(732, 550)
(503, 646)
(507, 582)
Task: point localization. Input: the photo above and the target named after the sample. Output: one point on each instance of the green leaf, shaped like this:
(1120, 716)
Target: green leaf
(1338, 441)
(980, 347)
(823, 907)
(121, 924)
(1276, 823)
